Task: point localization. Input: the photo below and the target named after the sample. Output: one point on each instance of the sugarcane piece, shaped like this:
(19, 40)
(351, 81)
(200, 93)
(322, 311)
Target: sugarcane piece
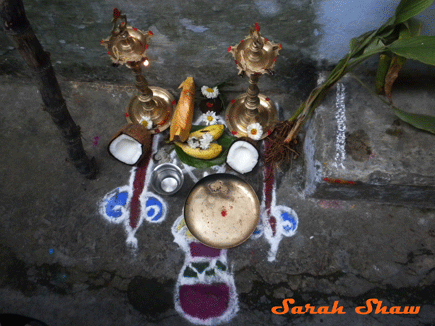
(20, 32)
(183, 115)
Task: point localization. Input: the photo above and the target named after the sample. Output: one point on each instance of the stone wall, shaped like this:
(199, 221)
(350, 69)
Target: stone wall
(192, 37)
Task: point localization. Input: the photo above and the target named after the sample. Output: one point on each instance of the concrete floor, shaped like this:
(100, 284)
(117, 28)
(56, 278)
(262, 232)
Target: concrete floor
(64, 263)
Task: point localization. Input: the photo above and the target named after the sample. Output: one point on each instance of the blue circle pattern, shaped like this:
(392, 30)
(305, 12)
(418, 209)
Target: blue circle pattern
(290, 222)
(118, 199)
(152, 201)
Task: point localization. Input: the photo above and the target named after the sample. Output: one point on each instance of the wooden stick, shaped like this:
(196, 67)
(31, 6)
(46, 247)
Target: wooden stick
(20, 32)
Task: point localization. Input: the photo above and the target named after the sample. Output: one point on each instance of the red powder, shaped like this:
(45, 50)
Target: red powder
(224, 212)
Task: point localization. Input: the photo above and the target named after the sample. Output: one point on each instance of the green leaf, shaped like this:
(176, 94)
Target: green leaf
(357, 43)
(381, 73)
(421, 48)
(225, 141)
(420, 121)
(410, 28)
(409, 8)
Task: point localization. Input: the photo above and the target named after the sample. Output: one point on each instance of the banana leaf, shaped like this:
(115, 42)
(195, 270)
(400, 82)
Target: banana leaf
(225, 141)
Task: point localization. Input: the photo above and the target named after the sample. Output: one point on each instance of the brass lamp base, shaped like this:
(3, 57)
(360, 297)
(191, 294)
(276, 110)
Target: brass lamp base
(161, 115)
(238, 117)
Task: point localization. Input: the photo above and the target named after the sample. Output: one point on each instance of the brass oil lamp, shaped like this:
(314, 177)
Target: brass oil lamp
(152, 106)
(254, 56)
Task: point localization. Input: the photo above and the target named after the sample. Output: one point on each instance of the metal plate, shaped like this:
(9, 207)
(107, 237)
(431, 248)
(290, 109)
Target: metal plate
(222, 211)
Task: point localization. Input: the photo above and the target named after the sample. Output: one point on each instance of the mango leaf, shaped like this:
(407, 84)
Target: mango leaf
(420, 121)
(225, 141)
(409, 8)
(420, 48)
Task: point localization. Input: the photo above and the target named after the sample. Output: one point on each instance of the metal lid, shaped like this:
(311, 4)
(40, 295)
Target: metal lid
(222, 211)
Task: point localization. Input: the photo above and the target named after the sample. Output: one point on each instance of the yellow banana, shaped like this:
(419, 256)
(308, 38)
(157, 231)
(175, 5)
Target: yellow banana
(215, 130)
(205, 154)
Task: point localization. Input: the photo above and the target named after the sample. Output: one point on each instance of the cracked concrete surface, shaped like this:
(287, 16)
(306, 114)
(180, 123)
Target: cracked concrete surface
(62, 263)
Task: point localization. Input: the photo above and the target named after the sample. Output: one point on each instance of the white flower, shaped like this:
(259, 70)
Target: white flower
(209, 92)
(255, 131)
(147, 123)
(205, 141)
(209, 118)
(193, 142)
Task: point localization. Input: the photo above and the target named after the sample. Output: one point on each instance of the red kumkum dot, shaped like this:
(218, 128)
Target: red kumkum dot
(266, 40)
(134, 28)
(174, 102)
(150, 33)
(267, 99)
(233, 101)
(224, 212)
(234, 132)
(229, 48)
(210, 105)
(126, 114)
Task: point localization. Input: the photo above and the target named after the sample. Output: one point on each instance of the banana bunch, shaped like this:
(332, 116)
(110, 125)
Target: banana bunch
(215, 131)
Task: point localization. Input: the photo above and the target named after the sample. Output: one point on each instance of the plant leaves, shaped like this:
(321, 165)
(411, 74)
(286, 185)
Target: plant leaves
(421, 48)
(225, 141)
(393, 72)
(420, 121)
(409, 8)
(357, 43)
(381, 73)
(410, 28)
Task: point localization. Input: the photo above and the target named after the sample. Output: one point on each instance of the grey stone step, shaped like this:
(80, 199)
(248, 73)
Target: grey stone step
(356, 148)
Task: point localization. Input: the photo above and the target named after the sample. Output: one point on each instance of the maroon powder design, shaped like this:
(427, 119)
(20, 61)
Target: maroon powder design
(138, 185)
(199, 250)
(205, 300)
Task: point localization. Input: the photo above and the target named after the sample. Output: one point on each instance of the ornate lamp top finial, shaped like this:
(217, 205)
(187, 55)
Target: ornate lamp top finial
(126, 44)
(255, 54)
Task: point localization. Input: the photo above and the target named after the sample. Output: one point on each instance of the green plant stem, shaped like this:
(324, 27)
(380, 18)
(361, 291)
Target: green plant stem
(306, 109)
(369, 89)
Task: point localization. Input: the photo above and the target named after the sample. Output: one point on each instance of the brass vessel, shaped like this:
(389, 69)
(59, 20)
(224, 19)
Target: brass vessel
(128, 45)
(222, 211)
(254, 56)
